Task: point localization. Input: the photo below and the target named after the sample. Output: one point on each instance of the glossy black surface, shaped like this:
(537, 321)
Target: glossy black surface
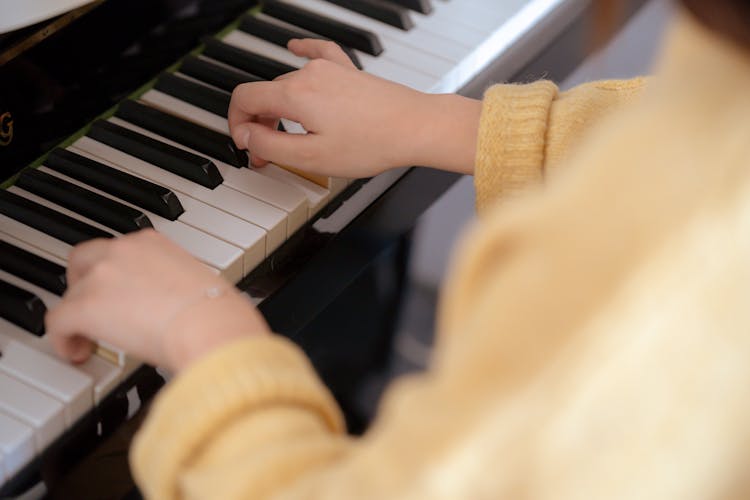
(32, 268)
(421, 6)
(213, 100)
(202, 139)
(379, 10)
(48, 221)
(280, 35)
(348, 35)
(245, 60)
(212, 73)
(85, 202)
(60, 85)
(140, 192)
(173, 159)
(22, 308)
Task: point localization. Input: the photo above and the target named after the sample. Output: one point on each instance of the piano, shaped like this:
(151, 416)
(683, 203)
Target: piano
(113, 118)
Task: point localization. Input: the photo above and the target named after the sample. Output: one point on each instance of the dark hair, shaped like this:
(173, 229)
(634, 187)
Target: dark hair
(731, 18)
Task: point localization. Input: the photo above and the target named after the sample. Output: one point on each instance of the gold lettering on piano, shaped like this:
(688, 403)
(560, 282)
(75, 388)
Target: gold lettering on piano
(6, 128)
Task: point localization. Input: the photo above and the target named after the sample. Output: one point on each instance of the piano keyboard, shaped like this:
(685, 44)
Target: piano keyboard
(165, 160)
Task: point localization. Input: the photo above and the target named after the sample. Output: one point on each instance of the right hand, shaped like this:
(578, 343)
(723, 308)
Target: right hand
(358, 125)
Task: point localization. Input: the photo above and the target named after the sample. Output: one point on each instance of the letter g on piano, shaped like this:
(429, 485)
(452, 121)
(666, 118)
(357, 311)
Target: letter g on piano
(6, 128)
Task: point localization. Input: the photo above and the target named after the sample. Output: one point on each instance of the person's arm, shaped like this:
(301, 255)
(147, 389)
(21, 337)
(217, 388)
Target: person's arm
(527, 131)
(360, 125)
(246, 416)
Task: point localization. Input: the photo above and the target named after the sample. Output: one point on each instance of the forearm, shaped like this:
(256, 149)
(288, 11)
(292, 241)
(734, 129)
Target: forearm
(446, 133)
(225, 422)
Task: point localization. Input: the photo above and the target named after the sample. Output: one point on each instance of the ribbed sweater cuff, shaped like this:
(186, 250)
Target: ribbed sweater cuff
(512, 136)
(236, 379)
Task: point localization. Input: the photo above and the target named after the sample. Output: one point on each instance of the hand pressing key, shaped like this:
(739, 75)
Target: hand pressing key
(358, 125)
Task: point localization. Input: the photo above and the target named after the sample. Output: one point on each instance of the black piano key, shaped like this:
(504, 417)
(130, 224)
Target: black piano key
(379, 10)
(192, 135)
(22, 308)
(101, 209)
(245, 60)
(215, 74)
(215, 101)
(280, 35)
(351, 36)
(32, 268)
(140, 192)
(178, 161)
(46, 220)
(421, 6)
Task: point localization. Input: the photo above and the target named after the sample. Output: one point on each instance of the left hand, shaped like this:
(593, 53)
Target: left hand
(146, 296)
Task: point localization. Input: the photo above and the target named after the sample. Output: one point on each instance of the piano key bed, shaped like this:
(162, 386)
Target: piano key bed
(163, 159)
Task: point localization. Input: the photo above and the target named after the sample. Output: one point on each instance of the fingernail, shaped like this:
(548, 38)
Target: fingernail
(80, 350)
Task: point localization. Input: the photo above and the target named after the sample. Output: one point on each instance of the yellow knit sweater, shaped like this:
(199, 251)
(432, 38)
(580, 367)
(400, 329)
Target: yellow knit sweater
(594, 338)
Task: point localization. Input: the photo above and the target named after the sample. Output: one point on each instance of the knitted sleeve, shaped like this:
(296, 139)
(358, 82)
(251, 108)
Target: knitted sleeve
(526, 131)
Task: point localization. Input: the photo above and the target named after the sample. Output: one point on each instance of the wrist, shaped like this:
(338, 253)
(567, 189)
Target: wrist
(204, 325)
(446, 133)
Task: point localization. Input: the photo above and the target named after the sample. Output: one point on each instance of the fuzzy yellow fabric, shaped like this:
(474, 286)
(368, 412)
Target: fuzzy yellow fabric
(527, 131)
(593, 340)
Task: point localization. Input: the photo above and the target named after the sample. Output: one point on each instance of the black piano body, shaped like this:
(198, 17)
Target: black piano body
(58, 76)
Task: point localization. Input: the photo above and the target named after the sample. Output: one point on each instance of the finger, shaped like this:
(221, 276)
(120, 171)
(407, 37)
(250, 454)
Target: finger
(271, 123)
(63, 325)
(319, 49)
(280, 147)
(258, 98)
(84, 257)
(239, 134)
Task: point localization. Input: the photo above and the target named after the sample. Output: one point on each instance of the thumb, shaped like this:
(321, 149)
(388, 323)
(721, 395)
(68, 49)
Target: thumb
(278, 147)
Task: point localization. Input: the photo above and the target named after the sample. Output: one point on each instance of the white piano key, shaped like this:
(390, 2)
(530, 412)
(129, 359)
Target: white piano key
(16, 444)
(235, 231)
(50, 299)
(206, 248)
(250, 238)
(415, 59)
(424, 63)
(170, 104)
(34, 238)
(246, 181)
(44, 414)
(249, 42)
(317, 196)
(272, 219)
(23, 360)
(337, 185)
(105, 375)
(453, 20)
(385, 68)
(428, 71)
(418, 39)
